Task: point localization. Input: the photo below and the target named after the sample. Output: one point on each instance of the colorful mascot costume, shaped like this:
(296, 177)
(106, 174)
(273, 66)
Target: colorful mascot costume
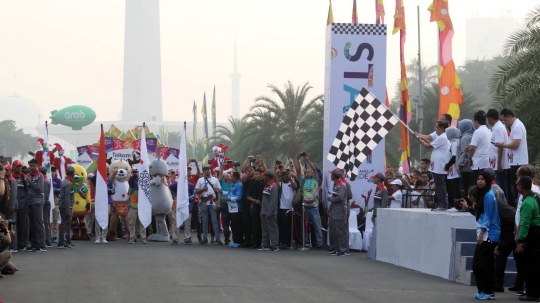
(38, 155)
(82, 204)
(220, 159)
(61, 162)
(161, 199)
(120, 172)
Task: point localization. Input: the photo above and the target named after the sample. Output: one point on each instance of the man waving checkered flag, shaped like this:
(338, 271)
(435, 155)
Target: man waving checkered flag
(366, 123)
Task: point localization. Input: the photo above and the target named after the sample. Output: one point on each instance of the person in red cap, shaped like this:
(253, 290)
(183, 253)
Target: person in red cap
(380, 198)
(22, 197)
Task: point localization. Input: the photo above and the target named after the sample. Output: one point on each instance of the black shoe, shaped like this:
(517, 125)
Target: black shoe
(61, 246)
(346, 254)
(227, 242)
(332, 251)
(30, 249)
(341, 254)
(521, 293)
(516, 287)
(203, 242)
(254, 247)
(498, 288)
(218, 241)
(274, 248)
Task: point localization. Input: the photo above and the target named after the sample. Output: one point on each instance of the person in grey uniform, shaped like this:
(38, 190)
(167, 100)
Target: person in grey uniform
(269, 205)
(22, 196)
(337, 211)
(65, 204)
(46, 206)
(35, 207)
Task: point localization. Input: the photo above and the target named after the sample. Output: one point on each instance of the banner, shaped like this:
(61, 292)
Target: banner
(355, 58)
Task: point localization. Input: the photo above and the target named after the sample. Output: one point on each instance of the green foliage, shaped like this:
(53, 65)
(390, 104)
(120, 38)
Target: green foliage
(15, 143)
(516, 83)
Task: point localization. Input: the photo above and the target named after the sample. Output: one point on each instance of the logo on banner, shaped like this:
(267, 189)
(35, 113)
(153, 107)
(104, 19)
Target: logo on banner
(333, 53)
(369, 158)
(144, 182)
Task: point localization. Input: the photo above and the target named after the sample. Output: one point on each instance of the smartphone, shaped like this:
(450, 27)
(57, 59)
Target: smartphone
(303, 154)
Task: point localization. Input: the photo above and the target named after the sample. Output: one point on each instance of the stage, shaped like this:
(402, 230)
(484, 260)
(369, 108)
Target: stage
(421, 239)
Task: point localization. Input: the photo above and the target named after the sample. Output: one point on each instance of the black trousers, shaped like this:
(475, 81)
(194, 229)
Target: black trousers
(466, 181)
(531, 256)
(453, 187)
(236, 226)
(506, 246)
(285, 223)
(512, 186)
(195, 219)
(256, 221)
(22, 227)
(35, 218)
(247, 223)
(484, 267)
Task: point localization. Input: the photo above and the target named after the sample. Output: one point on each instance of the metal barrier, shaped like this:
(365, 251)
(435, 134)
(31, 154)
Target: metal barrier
(410, 195)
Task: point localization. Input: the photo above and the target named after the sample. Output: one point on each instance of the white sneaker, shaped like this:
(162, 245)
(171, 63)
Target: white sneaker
(104, 241)
(97, 241)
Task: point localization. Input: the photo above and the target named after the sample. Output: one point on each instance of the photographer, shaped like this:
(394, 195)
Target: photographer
(2, 177)
(5, 241)
(287, 186)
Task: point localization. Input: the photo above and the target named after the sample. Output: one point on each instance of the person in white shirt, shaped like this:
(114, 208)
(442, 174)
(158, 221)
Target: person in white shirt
(498, 157)
(479, 148)
(396, 199)
(453, 181)
(444, 118)
(517, 150)
(439, 158)
(209, 188)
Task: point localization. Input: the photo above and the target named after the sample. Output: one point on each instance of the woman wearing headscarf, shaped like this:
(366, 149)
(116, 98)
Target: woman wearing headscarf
(488, 230)
(453, 179)
(466, 127)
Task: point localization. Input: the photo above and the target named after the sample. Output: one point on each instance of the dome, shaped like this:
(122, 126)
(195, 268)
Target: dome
(26, 114)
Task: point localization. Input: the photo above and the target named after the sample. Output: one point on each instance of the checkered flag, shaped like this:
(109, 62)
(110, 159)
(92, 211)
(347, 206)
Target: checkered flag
(366, 123)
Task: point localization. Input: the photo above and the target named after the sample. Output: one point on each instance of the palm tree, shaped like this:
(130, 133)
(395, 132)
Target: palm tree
(237, 138)
(516, 83)
(281, 123)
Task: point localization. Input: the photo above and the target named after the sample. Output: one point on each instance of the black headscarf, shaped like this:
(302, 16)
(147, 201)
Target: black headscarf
(482, 193)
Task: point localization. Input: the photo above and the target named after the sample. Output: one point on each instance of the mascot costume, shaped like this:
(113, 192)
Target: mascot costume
(220, 159)
(161, 199)
(120, 172)
(61, 162)
(38, 155)
(82, 204)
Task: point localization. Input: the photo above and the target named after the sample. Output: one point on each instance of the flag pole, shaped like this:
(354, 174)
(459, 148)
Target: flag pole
(420, 113)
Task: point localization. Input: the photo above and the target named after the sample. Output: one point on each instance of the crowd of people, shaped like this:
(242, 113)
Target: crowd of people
(472, 168)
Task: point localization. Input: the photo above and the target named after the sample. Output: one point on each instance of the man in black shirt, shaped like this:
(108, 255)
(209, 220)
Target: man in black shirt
(255, 194)
(246, 209)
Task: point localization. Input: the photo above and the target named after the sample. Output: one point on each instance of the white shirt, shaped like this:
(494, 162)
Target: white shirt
(433, 135)
(201, 183)
(440, 154)
(452, 170)
(287, 194)
(120, 191)
(398, 196)
(520, 155)
(534, 189)
(414, 196)
(480, 140)
(498, 134)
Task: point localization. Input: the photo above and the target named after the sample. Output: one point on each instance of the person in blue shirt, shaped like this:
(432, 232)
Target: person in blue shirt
(488, 230)
(234, 207)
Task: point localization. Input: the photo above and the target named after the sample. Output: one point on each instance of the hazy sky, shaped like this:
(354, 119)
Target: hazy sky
(67, 52)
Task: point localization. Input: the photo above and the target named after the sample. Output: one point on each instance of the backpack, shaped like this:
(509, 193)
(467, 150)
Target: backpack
(298, 198)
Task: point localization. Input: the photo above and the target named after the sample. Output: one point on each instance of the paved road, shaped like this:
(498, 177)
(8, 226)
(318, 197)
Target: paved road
(159, 272)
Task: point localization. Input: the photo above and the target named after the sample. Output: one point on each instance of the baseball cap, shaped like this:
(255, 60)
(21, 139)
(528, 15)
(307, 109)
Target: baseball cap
(378, 175)
(7, 167)
(269, 173)
(17, 163)
(397, 182)
(336, 173)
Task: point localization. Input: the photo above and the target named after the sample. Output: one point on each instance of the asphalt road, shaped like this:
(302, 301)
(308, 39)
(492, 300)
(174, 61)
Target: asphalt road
(160, 272)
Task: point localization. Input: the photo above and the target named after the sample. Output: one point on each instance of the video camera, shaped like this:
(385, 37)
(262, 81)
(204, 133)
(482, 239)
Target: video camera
(10, 223)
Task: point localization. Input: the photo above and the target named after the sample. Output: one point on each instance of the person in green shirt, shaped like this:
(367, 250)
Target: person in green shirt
(528, 238)
(309, 185)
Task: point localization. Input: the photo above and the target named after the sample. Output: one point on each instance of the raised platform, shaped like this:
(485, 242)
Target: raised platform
(420, 239)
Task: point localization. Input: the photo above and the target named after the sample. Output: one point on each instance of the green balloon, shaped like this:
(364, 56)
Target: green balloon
(75, 116)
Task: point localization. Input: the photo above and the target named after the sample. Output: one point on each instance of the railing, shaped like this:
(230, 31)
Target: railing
(426, 198)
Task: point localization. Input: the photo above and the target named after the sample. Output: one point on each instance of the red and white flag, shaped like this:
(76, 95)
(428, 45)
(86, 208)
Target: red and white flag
(102, 197)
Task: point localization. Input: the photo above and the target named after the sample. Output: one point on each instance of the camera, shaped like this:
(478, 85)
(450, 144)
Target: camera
(230, 161)
(236, 164)
(278, 162)
(285, 172)
(303, 154)
(10, 223)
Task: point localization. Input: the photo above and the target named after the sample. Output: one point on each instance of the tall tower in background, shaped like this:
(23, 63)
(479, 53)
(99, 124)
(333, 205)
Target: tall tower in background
(142, 62)
(235, 92)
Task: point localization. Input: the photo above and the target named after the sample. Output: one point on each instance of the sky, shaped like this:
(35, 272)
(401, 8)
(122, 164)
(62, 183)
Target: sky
(66, 52)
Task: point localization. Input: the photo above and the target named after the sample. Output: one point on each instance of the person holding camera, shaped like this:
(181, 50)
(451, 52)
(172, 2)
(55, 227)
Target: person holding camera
(209, 189)
(255, 195)
(5, 240)
(287, 186)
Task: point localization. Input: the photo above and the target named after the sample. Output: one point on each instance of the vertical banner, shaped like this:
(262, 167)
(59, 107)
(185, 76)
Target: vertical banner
(355, 58)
